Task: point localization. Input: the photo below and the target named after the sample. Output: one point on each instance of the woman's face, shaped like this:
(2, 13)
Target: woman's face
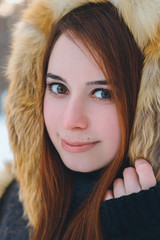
(79, 110)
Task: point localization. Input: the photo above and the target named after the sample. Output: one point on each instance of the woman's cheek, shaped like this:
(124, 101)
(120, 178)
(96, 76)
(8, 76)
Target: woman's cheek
(108, 126)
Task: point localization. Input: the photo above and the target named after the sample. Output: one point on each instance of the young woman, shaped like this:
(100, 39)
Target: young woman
(70, 126)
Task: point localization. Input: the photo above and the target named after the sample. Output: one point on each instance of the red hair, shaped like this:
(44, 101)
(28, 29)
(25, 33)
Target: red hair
(98, 27)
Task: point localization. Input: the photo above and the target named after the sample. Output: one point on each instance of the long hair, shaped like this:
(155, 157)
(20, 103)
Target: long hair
(104, 34)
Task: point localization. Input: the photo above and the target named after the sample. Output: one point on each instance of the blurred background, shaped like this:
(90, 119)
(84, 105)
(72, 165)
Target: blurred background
(10, 12)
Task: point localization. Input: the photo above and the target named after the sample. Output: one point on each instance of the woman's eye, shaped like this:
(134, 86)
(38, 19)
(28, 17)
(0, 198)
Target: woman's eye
(102, 94)
(57, 88)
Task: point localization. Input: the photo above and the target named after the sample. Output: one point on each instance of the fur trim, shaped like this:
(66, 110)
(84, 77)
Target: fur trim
(145, 138)
(6, 177)
(25, 96)
(142, 18)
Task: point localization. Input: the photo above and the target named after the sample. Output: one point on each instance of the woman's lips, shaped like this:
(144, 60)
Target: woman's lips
(77, 147)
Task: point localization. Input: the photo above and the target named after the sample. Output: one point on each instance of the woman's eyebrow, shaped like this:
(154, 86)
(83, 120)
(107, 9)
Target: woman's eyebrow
(98, 82)
(56, 77)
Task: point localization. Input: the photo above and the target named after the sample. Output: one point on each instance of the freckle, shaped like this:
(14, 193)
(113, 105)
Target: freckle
(88, 138)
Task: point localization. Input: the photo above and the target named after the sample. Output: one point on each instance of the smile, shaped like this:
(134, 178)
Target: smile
(77, 147)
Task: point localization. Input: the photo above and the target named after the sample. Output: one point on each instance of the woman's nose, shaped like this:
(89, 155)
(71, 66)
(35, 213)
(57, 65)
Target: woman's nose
(74, 116)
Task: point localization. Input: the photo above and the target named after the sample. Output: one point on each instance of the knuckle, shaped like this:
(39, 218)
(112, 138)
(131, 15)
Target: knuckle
(128, 171)
(109, 195)
(117, 182)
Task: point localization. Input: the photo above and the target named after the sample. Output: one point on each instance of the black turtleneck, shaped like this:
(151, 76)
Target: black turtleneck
(83, 185)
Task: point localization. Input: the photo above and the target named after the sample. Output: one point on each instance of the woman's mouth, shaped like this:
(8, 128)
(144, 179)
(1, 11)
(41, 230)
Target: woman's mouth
(77, 147)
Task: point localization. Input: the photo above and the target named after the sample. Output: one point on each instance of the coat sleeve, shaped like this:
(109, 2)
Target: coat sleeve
(132, 217)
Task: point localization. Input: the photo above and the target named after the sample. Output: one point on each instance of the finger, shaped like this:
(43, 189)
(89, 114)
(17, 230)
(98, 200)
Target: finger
(109, 195)
(131, 181)
(145, 173)
(118, 188)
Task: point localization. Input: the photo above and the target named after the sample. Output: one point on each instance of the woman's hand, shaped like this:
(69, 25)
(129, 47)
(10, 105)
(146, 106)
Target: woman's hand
(134, 180)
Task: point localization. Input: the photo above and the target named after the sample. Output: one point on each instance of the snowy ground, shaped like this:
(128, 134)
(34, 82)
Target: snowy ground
(5, 152)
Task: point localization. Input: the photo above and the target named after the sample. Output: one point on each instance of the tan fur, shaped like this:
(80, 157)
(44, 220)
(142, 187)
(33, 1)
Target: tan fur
(145, 138)
(142, 18)
(25, 96)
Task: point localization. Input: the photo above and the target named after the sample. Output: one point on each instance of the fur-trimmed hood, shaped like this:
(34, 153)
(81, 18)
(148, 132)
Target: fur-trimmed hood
(24, 99)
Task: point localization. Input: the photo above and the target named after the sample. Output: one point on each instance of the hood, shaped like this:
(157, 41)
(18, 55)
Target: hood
(25, 95)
